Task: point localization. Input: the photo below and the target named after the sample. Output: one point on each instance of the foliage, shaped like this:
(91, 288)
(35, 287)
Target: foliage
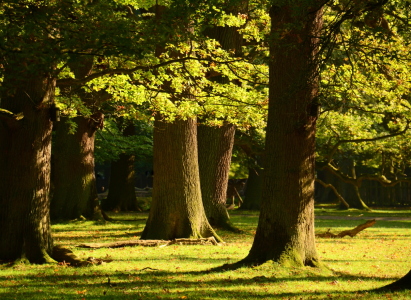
(365, 93)
(110, 142)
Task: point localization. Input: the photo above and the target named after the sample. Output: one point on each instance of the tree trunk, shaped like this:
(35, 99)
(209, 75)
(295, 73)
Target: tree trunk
(215, 145)
(121, 193)
(74, 180)
(74, 186)
(253, 188)
(25, 151)
(350, 192)
(285, 230)
(176, 210)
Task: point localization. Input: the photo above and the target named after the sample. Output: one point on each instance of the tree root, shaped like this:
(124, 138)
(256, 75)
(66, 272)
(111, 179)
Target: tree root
(351, 233)
(151, 243)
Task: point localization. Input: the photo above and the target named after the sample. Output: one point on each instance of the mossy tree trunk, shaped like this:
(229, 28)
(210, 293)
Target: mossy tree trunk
(285, 230)
(177, 210)
(25, 152)
(121, 193)
(215, 145)
(74, 187)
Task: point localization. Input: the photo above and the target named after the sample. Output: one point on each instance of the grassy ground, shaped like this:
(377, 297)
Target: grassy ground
(377, 256)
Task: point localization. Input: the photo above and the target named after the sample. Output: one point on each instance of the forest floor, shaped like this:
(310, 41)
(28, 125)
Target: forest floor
(375, 257)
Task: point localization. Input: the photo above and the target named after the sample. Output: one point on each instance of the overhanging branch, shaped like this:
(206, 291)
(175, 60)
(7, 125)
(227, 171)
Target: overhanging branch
(340, 142)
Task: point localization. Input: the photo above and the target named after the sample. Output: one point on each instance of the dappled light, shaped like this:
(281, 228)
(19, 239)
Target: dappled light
(373, 258)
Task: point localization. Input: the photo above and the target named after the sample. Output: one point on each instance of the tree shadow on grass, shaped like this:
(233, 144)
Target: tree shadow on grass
(152, 284)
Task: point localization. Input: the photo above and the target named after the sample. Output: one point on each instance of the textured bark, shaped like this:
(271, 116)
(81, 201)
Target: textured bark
(215, 145)
(25, 151)
(285, 230)
(121, 191)
(177, 210)
(74, 187)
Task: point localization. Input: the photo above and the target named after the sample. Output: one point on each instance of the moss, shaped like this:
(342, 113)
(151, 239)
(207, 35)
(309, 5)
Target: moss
(144, 203)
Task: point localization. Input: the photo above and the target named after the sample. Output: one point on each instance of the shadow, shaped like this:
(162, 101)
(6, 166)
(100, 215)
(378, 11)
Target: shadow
(92, 283)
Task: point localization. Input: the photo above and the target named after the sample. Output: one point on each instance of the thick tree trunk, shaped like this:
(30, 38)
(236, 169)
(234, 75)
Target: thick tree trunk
(74, 187)
(25, 151)
(121, 192)
(285, 230)
(215, 145)
(177, 210)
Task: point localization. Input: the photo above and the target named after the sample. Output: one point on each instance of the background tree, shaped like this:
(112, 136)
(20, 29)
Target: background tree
(74, 182)
(251, 143)
(122, 181)
(215, 144)
(214, 150)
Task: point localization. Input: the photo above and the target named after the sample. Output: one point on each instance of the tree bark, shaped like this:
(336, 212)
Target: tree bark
(215, 145)
(177, 210)
(25, 151)
(121, 192)
(285, 232)
(74, 187)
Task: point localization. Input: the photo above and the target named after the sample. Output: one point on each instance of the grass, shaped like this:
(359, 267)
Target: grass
(377, 256)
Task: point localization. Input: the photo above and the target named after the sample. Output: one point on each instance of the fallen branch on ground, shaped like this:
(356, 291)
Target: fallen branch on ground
(351, 233)
(151, 243)
(66, 257)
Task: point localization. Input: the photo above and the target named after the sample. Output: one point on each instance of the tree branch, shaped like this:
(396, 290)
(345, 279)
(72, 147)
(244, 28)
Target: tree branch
(329, 185)
(72, 81)
(339, 143)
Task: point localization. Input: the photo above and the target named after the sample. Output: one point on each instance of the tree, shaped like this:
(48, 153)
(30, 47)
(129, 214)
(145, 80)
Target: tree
(216, 143)
(251, 143)
(74, 182)
(121, 194)
(37, 39)
(285, 230)
(177, 210)
(214, 156)
(25, 149)
(74, 186)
